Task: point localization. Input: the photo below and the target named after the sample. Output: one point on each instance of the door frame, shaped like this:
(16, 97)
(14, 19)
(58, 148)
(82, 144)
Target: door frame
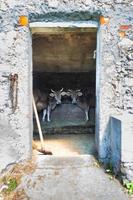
(56, 27)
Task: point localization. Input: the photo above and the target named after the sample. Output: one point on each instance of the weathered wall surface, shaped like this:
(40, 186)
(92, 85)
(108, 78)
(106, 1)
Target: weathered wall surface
(115, 87)
(8, 144)
(64, 52)
(15, 46)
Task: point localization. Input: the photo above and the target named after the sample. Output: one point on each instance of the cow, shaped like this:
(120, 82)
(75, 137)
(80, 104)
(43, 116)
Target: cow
(84, 101)
(47, 101)
(54, 100)
(41, 99)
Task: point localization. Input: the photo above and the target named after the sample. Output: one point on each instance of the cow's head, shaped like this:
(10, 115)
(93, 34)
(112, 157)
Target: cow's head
(74, 94)
(57, 95)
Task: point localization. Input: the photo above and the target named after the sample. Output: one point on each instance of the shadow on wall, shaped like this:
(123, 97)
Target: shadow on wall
(111, 144)
(115, 143)
(8, 149)
(105, 149)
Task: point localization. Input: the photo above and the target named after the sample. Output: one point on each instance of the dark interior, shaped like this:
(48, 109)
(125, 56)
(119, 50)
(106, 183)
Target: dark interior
(65, 60)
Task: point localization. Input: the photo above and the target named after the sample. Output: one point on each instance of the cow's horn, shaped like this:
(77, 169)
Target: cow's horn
(69, 90)
(78, 90)
(61, 90)
(52, 91)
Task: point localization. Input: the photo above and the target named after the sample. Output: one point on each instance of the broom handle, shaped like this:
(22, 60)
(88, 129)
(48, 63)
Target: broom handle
(38, 123)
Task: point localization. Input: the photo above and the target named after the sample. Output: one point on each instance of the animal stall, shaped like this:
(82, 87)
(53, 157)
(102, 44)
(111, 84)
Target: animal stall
(64, 81)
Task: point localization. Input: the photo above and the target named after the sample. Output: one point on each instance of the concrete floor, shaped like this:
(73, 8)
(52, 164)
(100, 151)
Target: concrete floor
(70, 178)
(68, 175)
(69, 144)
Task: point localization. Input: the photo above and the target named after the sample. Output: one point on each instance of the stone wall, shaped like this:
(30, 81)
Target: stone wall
(114, 69)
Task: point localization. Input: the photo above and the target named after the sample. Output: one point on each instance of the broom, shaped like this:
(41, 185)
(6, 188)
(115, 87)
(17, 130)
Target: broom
(42, 150)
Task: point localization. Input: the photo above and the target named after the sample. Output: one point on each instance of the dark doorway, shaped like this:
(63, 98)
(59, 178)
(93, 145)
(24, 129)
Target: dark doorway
(66, 60)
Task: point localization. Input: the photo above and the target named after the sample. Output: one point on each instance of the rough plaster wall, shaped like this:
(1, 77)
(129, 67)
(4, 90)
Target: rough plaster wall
(115, 67)
(14, 58)
(8, 144)
(127, 147)
(69, 52)
(116, 82)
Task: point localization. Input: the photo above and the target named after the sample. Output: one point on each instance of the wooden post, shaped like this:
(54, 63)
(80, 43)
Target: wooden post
(38, 123)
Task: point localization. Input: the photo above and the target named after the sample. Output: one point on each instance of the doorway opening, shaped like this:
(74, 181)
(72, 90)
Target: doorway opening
(64, 60)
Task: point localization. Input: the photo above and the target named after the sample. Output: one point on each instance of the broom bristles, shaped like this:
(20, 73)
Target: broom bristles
(45, 152)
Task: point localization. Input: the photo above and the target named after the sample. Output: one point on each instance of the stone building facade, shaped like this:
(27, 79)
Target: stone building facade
(114, 74)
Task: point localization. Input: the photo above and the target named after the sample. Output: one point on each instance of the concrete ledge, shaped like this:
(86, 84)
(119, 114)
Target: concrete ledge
(122, 143)
(52, 27)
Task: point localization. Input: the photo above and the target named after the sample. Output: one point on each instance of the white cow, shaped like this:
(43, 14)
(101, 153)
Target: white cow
(84, 101)
(47, 101)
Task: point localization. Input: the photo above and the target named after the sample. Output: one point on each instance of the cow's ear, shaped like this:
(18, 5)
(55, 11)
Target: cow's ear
(80, 94)
(51, 95)
(63, 93)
